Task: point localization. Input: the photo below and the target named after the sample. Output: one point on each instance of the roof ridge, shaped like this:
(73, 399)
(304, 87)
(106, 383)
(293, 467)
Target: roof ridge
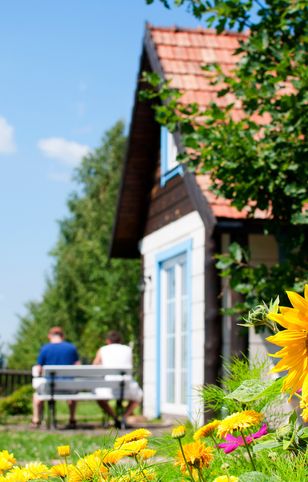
(199, 29)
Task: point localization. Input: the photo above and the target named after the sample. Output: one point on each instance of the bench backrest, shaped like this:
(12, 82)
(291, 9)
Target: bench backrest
(83, 378)
(84, 371)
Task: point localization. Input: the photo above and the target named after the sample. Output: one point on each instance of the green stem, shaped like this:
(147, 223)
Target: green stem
(200, 475)
(185, 460)
(248, 450)
(141, 468)
(214, 440)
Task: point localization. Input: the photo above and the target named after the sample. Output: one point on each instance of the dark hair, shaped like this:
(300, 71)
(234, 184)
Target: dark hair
(114, 336)
(56, 330)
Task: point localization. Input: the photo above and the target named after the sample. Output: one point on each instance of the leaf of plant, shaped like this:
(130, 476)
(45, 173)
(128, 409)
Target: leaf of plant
(257, 477)
(250, 390)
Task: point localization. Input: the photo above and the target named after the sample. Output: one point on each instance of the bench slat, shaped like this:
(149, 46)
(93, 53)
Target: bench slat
(79, 385)
(90, 371)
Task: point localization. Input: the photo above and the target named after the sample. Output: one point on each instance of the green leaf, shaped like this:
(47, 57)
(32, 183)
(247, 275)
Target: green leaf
(236, 251)
(250, 390)
(257, 477)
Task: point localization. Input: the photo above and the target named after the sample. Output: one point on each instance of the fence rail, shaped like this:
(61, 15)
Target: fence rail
(10, 380)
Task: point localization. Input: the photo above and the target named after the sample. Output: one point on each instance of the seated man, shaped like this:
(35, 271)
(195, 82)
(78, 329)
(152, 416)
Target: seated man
(56, 352)
(116, 355)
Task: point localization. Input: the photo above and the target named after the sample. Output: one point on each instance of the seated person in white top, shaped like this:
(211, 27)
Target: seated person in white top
(116, 355)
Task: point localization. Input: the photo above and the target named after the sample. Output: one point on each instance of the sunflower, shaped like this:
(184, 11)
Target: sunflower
(197, 455)
(238, 421)
(206, 430)
(294, 343)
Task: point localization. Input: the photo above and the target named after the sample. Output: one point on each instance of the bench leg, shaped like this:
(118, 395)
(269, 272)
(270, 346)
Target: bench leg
(51, 420)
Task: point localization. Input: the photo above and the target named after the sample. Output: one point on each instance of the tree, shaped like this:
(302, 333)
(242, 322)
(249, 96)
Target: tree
(87, 293)
(258, 161)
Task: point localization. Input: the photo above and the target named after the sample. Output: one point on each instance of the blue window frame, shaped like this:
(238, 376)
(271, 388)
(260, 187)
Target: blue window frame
(173, 328)
(168, 153)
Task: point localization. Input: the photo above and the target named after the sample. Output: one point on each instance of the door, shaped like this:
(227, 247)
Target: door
(174, 335)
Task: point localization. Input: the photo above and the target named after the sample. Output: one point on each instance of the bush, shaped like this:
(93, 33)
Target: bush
(18, 403)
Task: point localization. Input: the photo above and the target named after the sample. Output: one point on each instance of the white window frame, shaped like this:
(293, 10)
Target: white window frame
(169, 165)
(162, 260)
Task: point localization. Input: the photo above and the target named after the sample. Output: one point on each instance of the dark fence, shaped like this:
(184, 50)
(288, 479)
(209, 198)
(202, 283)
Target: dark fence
(10, 380)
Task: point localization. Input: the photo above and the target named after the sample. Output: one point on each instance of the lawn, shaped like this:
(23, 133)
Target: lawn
(42, 446)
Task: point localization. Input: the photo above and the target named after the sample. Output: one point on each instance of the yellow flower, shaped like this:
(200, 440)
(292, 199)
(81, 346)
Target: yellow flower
(294, 343)
(17, 475)
(197, 455)
(111, 457)
(9, 457)
(36, 470)
(226, 478)
(64, 450)
(87, 468)
(5, 464)
(130, 437)
(304, 405)
(238, 421)
(147, 453)
(60, 470)
(206, 429)
(134, 447)
(7, 461)
(178, 432)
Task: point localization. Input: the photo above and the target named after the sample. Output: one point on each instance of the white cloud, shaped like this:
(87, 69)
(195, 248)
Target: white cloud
(7, 143)
(67, 152)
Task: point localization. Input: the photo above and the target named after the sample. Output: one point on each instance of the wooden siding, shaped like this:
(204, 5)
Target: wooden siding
(167, 203)
(137, 180)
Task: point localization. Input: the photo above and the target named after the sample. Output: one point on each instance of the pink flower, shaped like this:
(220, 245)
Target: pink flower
(232, 443)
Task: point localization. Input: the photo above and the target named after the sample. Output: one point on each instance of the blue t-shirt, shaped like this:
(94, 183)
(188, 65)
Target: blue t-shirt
(63, 353)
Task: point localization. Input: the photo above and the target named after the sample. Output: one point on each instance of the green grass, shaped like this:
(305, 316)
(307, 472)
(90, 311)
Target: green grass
(87, 412)
(42, 446)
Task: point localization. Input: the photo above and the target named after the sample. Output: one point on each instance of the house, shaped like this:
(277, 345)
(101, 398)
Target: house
(169, 217)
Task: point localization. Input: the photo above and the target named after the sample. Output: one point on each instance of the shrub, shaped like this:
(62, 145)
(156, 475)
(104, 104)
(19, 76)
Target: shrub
(18, 403)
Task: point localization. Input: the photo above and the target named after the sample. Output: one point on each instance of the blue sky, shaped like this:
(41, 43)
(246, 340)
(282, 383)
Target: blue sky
(68, 73)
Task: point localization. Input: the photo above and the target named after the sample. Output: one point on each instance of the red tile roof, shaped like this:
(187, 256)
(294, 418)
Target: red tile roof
(181, 54)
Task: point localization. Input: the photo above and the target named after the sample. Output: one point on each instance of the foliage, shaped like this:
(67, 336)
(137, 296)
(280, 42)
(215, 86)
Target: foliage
(275, 463)
(87, 293)
(233, 447)
(259, 160)
(18, 403)
(244, 386)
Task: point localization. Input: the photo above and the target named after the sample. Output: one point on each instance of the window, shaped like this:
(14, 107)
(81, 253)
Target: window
(168, 154)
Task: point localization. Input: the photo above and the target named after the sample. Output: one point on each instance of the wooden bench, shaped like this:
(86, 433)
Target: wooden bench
(80, 382)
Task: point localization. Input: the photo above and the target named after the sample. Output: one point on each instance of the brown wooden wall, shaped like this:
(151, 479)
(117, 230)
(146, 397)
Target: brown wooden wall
(167, 203)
